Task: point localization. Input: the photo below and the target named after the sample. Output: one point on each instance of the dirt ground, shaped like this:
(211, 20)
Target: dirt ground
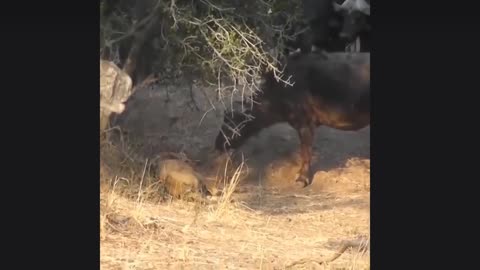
(269, 224)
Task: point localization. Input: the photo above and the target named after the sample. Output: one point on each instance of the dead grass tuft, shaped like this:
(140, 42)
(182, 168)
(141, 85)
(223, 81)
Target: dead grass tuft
(225, 199)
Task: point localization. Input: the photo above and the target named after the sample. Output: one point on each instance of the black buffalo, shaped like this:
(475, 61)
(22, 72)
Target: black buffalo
(328, 89)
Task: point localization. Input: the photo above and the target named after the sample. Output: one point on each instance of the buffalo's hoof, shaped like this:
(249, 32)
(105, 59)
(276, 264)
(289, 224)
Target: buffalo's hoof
(302, 181)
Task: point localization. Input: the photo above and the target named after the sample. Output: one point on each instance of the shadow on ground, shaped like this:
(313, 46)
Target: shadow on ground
(175, 119)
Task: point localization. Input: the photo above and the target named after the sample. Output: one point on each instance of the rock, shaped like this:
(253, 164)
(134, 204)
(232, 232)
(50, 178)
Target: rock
(115, 89)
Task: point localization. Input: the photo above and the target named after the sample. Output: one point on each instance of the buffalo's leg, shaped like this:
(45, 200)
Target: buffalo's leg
(306, 135)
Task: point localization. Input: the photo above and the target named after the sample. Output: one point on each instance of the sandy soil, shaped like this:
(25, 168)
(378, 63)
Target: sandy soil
(270, 223)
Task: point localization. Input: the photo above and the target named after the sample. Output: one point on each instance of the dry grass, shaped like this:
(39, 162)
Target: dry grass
(140, 229)
(229, 188)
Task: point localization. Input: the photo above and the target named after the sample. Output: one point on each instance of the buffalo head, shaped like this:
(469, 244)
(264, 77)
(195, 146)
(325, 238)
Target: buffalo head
(354, 14)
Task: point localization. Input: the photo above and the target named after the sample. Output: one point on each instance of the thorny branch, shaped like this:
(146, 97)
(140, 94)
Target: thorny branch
(238, 53)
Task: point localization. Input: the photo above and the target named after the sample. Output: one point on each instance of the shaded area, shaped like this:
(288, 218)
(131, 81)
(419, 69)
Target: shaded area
(181, 119)
(176, 118)
(273, 155)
